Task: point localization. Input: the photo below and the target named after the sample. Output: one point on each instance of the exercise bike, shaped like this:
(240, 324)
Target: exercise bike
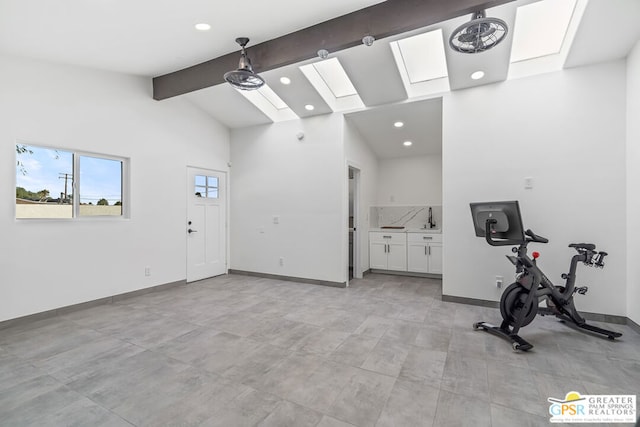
(500, 224)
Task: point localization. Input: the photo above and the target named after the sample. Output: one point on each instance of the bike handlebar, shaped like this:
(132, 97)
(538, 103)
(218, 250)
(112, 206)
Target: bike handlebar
(535, 238)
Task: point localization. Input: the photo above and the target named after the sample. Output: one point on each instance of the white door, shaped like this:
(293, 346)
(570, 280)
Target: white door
(206, 224)
(397, 256)
(435, 258)
(378, 255)
(417, 258)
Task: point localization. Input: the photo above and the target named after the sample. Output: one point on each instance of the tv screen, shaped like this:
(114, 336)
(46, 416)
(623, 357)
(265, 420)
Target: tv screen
(508, 224)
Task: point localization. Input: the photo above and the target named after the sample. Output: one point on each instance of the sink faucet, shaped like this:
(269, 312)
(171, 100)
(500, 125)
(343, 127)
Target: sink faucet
(431, 222)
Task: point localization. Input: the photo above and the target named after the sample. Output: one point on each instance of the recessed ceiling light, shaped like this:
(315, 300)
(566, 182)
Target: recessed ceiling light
(398, 124)
(285, 80)
(477, 75)
(203, 27)
(407, 143)
(309, 107)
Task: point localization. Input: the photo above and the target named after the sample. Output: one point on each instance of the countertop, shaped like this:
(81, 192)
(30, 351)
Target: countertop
(408, 230)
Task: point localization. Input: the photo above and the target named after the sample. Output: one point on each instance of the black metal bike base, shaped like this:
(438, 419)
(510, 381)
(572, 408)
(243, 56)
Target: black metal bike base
(578, 326)
(517, 342)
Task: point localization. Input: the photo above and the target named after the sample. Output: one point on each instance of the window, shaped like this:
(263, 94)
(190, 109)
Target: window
(53, 183)
(100, 186)
(206, 186)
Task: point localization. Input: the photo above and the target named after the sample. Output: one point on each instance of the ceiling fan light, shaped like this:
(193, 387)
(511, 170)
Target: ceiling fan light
(244, 78)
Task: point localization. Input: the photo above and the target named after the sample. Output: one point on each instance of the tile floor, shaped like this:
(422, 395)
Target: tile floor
(244, 351)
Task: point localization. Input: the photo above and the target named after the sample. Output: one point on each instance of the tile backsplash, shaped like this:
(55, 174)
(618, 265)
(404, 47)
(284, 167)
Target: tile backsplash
(404, 216)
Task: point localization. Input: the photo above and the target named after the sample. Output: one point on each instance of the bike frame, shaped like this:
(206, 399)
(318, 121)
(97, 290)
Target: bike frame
(528, 271)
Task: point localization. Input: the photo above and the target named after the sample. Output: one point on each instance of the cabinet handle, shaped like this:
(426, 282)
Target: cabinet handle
(425, 250)
(427, 237)
(389, 248)
(386, 237)
(429, 250)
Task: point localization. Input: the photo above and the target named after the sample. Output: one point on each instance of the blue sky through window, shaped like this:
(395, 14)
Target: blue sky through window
(44, 168)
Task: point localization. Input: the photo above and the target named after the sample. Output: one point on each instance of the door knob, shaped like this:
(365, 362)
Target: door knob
(192, 231)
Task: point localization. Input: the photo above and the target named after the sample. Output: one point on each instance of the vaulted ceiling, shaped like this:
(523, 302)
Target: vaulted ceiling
(152, 38)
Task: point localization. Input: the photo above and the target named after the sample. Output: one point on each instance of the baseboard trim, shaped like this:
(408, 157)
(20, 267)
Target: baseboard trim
(289, 278)
(633, 325)
(596, 317)
(406, 273)
(471, 301)
(88, 304)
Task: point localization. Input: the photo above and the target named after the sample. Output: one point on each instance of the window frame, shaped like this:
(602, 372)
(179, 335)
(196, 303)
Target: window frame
(75, 186)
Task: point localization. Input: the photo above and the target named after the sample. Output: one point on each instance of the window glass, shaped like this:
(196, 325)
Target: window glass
(100, 186)
(44, 182)
(53, 183)
(206, 186)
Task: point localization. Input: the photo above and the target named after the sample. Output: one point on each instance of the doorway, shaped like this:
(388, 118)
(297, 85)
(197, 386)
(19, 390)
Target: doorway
(354, 254)
(206, 224)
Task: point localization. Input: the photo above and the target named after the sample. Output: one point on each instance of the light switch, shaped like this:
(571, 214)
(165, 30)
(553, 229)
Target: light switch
(528, 183)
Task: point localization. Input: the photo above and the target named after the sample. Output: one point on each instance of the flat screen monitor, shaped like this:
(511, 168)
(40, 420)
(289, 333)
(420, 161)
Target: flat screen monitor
(507, 214)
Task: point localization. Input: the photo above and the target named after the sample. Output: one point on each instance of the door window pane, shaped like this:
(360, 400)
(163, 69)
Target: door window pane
(206, 186)
(44, 182)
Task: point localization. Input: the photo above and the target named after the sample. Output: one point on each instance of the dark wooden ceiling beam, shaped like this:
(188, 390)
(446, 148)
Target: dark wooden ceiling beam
(381, 20)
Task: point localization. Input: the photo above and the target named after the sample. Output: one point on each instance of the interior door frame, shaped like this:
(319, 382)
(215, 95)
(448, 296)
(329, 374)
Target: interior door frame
(357, 232)
(226, 173)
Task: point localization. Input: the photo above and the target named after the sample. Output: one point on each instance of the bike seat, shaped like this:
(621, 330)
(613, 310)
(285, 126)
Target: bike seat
(585, 246)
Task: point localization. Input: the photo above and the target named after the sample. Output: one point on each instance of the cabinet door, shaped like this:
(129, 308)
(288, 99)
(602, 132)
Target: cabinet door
(435, 258)
(378, 255)
(417, 258)
(397, 257)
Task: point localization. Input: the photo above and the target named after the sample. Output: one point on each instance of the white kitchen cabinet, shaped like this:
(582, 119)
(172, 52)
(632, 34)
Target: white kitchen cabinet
(388, 251)
(424, 253)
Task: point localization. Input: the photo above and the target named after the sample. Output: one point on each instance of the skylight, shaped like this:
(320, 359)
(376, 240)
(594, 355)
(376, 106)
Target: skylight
(272, 97)
(331, 81)
(267, 101)
(540, 28)
(422, 63)
(335, 77)
(423, 56)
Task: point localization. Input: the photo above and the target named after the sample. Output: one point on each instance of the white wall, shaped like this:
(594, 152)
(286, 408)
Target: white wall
(410, 181)
(567, 131)
(46, 264)
(633, 183)
(304, 183)
(360, 155)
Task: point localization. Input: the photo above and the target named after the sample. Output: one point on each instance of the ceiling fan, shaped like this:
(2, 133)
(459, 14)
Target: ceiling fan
(479, 34)
(244, 78)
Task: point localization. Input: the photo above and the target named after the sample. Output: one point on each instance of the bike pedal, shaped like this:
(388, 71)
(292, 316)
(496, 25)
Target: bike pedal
(582, 290)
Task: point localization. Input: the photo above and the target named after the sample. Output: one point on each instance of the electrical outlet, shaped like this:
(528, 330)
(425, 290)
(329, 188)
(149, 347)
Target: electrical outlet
(147, 271)
(281, 262)
(499, 280)
(276, 219)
